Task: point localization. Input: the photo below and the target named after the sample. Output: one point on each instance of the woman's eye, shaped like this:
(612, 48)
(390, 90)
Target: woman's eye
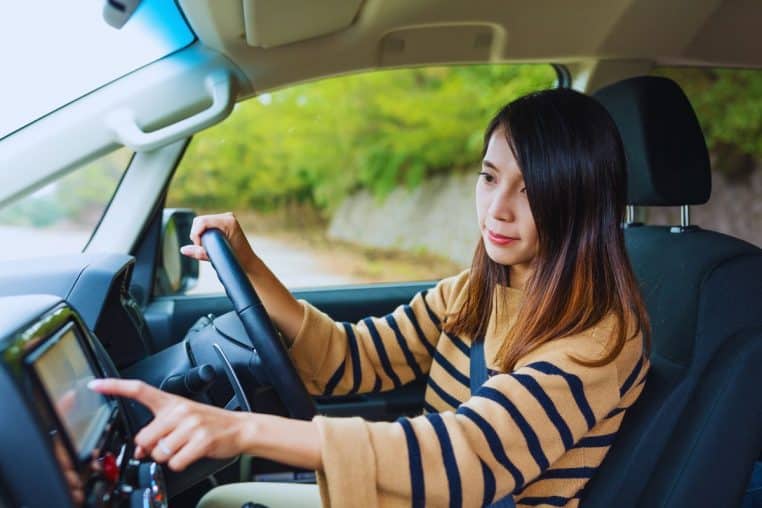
(523, 190)
(487, 177)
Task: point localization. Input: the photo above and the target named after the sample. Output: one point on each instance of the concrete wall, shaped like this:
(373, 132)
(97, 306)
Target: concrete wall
(440, 217)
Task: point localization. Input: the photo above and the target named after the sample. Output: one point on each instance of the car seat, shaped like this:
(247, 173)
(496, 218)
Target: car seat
(693, 436)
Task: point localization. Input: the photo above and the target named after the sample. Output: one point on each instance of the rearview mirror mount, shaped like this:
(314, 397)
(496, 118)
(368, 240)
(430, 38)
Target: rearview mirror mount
(117, 12)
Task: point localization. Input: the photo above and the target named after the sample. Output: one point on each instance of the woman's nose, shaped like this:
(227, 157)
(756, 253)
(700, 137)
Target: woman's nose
(501, 207)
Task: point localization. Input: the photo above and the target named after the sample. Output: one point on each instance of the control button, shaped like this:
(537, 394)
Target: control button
(131, 472)
(109, 468)
(140, 498)
(150, 476)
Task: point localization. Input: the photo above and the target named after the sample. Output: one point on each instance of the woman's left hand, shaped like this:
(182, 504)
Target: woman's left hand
(182, 430)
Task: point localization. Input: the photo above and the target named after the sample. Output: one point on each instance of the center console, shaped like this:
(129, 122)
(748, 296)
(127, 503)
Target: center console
(63, 444)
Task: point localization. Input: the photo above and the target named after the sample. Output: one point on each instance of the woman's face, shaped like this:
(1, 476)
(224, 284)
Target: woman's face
(505, 220)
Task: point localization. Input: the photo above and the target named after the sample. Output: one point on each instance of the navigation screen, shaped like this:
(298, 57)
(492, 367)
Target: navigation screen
(65, 372)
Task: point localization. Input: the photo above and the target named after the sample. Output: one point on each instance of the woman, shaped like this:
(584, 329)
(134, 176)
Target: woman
(550, 294)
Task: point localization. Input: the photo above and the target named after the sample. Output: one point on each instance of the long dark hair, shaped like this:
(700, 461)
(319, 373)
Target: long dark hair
(572, 160)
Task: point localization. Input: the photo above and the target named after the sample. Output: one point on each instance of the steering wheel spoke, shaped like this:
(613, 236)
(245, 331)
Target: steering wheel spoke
(234, 404)
(239, 399)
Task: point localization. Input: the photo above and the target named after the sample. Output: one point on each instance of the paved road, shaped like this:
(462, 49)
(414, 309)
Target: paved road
(295, 266)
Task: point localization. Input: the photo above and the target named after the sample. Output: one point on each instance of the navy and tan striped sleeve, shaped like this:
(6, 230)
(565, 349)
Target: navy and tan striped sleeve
(375, 354)
(497, 442)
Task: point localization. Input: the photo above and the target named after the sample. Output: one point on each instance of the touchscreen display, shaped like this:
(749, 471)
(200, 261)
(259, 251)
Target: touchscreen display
(64, 372)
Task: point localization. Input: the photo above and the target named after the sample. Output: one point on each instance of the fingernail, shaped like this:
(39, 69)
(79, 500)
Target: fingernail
(94, 384)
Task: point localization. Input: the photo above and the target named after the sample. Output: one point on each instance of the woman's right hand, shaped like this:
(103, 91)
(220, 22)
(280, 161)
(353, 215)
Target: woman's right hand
(286, 313)
(228, 224)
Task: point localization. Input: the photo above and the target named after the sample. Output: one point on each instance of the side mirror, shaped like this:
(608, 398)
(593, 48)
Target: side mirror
(175, 273)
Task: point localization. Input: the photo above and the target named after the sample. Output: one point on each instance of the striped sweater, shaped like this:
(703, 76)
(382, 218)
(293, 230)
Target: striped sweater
(538, 433)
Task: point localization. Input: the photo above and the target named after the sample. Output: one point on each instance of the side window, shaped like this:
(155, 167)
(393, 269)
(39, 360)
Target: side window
(728, 104)
(357, 179)
(60, 217)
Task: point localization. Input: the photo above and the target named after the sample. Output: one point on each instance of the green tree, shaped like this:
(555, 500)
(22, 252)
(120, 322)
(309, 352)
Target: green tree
(315, 143)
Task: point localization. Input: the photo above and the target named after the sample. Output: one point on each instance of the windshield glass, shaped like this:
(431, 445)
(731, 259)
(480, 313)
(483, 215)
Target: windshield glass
(64, 50)
(60, 217)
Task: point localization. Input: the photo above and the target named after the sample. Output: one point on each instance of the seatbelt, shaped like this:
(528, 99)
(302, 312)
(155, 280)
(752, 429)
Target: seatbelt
(478, 368)
(477, 377)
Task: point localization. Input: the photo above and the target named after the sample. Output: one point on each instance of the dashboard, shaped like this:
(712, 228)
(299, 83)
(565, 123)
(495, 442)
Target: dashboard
(55, 428)
(67, 320)
(97, 286)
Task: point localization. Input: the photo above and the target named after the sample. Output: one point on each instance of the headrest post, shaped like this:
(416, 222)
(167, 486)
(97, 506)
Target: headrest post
(685, 216)
(633, 217)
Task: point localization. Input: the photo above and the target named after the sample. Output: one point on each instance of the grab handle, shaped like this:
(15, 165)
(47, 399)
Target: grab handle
(122, 122)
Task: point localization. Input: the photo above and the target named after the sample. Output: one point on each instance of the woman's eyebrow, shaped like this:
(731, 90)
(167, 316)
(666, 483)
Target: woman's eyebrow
(489, 164)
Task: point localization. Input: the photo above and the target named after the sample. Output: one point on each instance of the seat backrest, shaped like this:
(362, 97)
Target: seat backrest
(694, 434)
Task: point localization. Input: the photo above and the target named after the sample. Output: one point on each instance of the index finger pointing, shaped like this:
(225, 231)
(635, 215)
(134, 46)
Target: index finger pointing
(147, 395)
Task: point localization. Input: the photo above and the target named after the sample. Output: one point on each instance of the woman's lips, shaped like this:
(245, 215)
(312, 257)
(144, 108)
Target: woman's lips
(500, 239)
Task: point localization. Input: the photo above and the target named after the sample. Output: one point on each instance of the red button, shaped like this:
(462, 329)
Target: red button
(110, 468)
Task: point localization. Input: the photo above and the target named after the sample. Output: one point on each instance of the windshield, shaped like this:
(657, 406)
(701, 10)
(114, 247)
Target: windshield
(55, 52)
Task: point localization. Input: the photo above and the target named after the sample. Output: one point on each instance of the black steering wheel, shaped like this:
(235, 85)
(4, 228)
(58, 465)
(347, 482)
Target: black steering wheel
(277, 365)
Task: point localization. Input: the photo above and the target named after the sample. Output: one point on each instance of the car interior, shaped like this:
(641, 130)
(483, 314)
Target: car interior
(117, 309)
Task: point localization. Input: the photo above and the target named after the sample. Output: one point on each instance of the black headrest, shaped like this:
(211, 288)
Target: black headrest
(667, 159)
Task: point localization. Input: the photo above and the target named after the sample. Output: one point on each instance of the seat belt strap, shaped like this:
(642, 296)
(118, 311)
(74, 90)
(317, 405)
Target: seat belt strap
(477, 377)
(478, 368)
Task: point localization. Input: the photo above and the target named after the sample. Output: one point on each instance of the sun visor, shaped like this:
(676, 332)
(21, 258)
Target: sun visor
(271, 23)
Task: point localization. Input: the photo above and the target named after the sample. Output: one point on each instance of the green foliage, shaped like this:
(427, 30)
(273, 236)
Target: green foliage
(315, 143)
(77, 198)
(35, 212)
(83, 194)
(728, 104)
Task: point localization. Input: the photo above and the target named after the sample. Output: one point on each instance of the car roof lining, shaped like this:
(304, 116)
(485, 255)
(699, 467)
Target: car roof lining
(683, 32)
(269, 23)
